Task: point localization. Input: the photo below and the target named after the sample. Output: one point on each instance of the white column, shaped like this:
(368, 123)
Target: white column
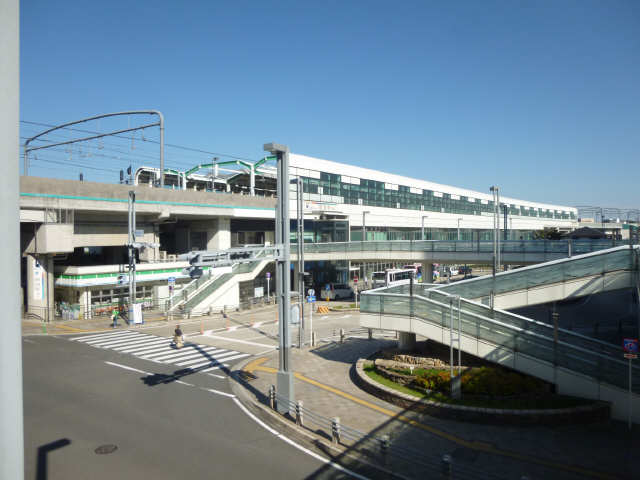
(40, 286)
(85, 303)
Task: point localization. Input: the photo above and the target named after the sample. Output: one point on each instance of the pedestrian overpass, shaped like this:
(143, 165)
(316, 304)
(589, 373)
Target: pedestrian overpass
(512, 252)
(576, 364)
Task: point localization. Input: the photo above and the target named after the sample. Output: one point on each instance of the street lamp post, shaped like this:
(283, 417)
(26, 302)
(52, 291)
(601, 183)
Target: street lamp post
(284, 377)
(460, 218)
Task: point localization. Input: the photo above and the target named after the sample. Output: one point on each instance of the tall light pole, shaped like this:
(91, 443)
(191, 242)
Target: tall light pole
(422, 227)
(284, 377)
(459, 218)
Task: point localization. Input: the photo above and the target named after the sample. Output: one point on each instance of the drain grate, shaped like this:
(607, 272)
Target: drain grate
(106, 449)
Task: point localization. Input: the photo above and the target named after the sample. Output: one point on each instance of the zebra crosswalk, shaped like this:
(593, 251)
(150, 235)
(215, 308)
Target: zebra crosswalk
(203, 358)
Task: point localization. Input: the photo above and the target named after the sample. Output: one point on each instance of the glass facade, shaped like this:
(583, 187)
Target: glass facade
(335, 188)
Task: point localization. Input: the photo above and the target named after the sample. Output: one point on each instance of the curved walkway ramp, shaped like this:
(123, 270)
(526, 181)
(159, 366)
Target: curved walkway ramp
(576, 364)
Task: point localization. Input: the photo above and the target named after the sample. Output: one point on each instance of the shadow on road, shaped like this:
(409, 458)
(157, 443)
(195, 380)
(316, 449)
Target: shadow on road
(43, 452)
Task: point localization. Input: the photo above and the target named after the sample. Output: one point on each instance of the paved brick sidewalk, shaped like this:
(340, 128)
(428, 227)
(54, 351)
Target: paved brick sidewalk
(604, 450)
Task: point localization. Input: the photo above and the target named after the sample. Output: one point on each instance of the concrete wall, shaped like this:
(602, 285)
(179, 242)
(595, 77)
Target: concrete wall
(36, 192)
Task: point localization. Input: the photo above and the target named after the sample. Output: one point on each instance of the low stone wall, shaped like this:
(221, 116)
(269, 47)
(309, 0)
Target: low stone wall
(598, 411)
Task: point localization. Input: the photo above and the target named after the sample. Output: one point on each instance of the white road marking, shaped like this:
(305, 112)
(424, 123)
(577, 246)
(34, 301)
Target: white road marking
(186, 361)
(235, 340)
(217, 367)
(29, 341)
(196, 357)
(113, 341)
(181, 353)
(99, 335)
(257, 324)
(299, 447)
(139, 343)
(126, 334)
(218, 392)
(232, 329)
(346, 316)
(157, 349)
(128, 368)
(217, 360)
(141, 348)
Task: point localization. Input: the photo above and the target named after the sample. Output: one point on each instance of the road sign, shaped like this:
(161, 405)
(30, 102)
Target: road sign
(311, 292)
(311, 299)
(268, 274)
(171, 281)
(355, 279)
(632, 356)
(139, 234)
(630, 345)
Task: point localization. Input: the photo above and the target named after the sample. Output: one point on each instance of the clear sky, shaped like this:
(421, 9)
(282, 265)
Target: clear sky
(541, 98)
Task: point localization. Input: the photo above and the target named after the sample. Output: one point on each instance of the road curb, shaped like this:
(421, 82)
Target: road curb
(287, 427)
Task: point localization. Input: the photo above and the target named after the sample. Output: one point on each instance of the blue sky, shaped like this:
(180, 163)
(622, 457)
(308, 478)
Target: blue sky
(540, 98)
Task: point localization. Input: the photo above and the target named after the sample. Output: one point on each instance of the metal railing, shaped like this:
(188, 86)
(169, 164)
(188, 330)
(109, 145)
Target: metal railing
(596, 263)
(586, 355)
(565, 247)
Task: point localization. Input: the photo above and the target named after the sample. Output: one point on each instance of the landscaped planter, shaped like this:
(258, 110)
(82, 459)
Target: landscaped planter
(597, 411)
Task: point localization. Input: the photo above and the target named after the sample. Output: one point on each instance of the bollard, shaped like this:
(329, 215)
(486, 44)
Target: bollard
(335, 430)
(384, 447)
(299, 420)
(370, 332)
(272, 397)
(313, 339)
(447, 466)
(342, 335)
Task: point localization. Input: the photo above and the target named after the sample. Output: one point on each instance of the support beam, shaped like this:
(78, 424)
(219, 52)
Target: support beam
(407, 341)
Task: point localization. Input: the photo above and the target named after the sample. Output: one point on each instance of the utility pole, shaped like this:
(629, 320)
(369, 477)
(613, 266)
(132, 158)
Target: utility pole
(284, 377)
(301, 272)
(11, 411)
(132, 254)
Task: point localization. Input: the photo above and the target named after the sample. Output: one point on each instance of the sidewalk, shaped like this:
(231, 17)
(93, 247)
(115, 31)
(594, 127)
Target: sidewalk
(324, 383)
(151, 320)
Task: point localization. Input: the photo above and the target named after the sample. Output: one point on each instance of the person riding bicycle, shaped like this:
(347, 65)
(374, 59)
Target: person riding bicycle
(178, 337)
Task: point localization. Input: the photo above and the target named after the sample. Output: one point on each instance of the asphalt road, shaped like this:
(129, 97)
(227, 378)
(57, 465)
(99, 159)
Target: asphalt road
(75, 402)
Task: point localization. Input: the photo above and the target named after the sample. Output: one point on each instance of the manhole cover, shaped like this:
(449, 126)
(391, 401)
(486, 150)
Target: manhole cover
(105, 449)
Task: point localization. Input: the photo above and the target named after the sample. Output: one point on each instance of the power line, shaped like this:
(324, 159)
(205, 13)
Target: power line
(182, 147)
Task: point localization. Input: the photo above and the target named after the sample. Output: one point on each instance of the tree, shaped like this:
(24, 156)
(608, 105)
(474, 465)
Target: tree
(548, 233)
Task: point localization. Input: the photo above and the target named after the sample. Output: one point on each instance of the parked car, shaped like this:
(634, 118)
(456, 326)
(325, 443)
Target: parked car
(465, 270)
(336, 291)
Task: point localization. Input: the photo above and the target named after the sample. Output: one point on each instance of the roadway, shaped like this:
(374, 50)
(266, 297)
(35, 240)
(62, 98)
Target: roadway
(78, 398)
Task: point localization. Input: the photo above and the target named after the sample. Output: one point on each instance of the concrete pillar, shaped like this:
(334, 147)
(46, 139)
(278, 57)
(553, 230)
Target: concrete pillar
(407, 341)
(219, 237)
(85, 303)
(427, 272)
(40, 286)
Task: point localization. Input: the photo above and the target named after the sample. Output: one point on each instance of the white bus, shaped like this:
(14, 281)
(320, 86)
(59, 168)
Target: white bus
(392, 277)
